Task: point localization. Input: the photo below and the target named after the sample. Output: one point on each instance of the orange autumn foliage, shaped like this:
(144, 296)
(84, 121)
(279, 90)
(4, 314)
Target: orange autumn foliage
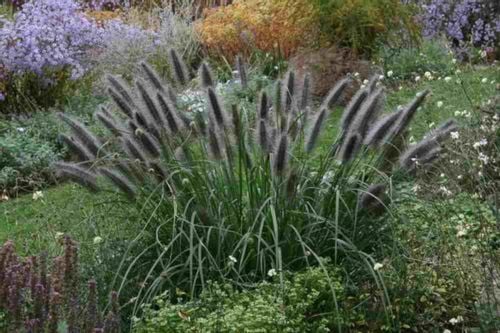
(279, 27)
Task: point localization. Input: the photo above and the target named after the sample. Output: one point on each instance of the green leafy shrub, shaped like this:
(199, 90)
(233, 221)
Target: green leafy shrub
(233, 196)
(25, 161)
(30, 144)
(303, 303)
(406, 63)
(362, 24)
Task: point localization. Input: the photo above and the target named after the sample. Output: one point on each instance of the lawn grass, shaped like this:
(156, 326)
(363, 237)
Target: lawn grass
(67, 208)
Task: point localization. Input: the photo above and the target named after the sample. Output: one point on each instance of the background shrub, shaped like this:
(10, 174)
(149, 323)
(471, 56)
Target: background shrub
(278, 27)
(362, 24)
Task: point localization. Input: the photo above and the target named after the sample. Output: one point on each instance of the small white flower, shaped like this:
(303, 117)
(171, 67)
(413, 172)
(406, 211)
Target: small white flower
(445, 191)
(365, 82)
(454, 135)
(458, 71)
(446, 331)
(442, 175)
(457, 320)
(233, 259)
(461, 233)
(37, 195)
(97, 240)
(21, 129)
(483, 158)
(363, 86)
(400, 88)
(458, 113)
(185, 181)
(480, 143)
(416, 188)
(483, 54)
(459, 177)
(440, 104)
(390, 73)
(272, 272)
(417, 78)
(484, 80)
(59, 235)
(447, 79)
(377, 266)
(431, 125)
(356, 74)
(428, 75)
(492, 82)
(454, 60)
(480, 174)
(381, 77)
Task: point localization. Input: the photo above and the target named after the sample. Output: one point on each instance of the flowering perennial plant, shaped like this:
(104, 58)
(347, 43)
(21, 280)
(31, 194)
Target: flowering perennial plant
(48, 34)
(464, 22)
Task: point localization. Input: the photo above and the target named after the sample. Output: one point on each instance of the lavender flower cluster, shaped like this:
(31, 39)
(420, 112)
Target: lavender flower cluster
(464, 22)
(35, 298)
(48, 34)
(48, 37)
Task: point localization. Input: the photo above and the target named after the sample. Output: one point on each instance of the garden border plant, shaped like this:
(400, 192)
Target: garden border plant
(231, 196)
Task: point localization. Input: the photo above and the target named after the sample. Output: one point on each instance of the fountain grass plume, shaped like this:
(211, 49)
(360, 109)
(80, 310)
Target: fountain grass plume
(125, 107)
(263, 110)
(380, 129)
(305, 92)
(120, 87)
(335, 93)
(352, 108)
(173, 122)
(206, 76)
(109, 123)
(214, 142)
(442, 132)
(76, 148)
(288, 91)
(262, 136)
(77, 174)
(417, 153)
(406, 116)
(242, 72)
(153, 77)
(366, 114)
(150, 106)
(82, 134)
(132, 149)
(120, 181)
(149, 143)
(350, 147)
(217, 112)
(281, 155)
(373, 198)
(179, 68)
(314, 133)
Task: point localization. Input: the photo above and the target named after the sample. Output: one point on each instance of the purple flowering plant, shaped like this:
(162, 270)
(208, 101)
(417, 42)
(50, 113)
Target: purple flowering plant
(465, 23)
(46, 44)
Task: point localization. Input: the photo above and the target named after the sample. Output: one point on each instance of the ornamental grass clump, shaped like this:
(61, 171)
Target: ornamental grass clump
(41, 296)
(235, 194)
